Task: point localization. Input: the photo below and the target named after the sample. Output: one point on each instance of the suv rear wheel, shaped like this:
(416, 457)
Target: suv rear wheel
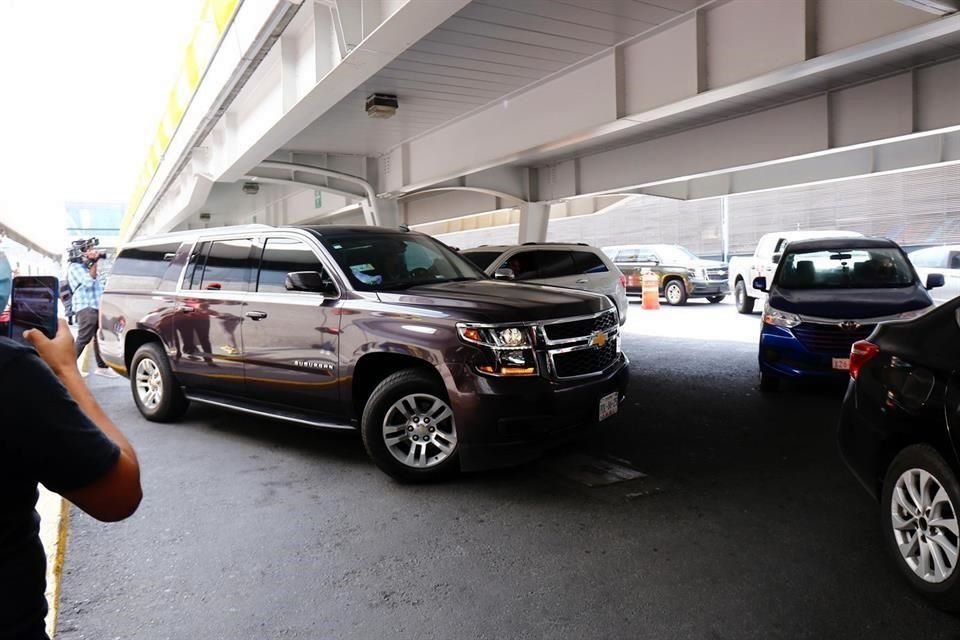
(920, 523)
(409, 429)
(155, 390)
(675, 292)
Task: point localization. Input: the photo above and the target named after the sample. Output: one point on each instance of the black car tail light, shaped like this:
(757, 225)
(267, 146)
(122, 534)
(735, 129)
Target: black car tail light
(861, 353)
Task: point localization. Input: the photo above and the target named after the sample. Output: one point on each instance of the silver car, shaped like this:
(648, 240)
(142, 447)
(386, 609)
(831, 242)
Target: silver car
(944, 260)
(573, 266)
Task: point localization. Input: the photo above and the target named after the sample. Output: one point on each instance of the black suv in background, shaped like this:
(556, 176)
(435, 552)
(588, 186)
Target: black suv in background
(682, 275)
(385, 331)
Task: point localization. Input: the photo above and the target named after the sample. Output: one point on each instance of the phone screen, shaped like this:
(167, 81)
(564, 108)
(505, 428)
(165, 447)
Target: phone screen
(33, 305)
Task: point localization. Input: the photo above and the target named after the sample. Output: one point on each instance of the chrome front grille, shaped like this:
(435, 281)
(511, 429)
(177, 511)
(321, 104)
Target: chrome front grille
(718, 274)
(581, 327)
(580, 347)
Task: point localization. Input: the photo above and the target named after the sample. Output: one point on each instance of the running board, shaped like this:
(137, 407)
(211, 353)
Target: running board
(298, 419)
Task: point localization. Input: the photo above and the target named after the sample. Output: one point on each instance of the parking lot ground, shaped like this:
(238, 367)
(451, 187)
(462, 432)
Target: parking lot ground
(744, 524)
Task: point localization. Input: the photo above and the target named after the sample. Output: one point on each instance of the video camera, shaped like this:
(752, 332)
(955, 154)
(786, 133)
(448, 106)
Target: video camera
(78, 252)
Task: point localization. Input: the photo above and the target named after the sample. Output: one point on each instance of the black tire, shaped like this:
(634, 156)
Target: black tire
(680, 298)
(744, 302)
(383, 399)
(945, 594)
(172, 404)
(769, 382)
(715, 299)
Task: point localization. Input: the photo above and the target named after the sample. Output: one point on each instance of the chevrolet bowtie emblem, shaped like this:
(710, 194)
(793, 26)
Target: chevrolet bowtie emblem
(598, 340)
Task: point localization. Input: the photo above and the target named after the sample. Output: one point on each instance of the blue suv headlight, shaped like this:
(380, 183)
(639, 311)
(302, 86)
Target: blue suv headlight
(779, 318)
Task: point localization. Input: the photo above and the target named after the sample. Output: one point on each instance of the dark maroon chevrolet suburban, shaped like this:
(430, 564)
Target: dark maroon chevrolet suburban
(382, 330)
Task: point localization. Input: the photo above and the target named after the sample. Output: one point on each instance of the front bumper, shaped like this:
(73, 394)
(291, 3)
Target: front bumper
(506, 421)
(707, 288)
(782, 354)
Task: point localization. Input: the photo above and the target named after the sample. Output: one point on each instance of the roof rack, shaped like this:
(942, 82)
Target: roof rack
(547, 244)
(193, 233)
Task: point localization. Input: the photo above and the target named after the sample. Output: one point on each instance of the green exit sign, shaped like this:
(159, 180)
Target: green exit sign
(317, 199)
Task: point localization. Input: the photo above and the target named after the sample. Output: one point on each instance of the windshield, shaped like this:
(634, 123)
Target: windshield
(393, 261)
(482, 259)
(845, 269)
(674, 254)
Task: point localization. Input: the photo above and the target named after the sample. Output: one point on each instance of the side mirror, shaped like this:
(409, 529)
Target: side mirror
(760, 284)
(934, 280)
(504, 274)
(311, 282)
(775, 259)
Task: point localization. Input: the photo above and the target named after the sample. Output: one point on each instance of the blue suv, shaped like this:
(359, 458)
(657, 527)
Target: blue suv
(827, 294)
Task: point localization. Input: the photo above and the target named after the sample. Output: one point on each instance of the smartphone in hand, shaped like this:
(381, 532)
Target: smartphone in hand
(33, 305)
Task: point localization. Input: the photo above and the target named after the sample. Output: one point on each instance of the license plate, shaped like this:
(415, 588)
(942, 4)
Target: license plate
(609, 405)
(841, 364)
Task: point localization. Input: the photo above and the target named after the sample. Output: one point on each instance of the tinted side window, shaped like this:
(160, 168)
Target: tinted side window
(172, 275)
(523, 264)
(630, 255)
(191, 279)
(586, 262)
(280, 257)
(555, 264)
(142, 268)
(228, 266)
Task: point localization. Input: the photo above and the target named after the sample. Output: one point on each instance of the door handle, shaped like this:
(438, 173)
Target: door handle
(185, 308)
(582, 281)
(256, 315)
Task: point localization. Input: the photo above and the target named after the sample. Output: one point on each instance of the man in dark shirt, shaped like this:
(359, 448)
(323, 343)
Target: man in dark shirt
(52, 431)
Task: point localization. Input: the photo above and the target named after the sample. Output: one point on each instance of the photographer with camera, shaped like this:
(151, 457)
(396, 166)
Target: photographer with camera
(87, 290)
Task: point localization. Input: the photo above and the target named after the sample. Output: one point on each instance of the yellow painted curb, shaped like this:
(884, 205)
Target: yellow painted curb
(54, 515)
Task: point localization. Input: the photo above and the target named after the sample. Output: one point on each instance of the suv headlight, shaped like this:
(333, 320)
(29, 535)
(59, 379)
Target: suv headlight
(506, 351)
(779, 318)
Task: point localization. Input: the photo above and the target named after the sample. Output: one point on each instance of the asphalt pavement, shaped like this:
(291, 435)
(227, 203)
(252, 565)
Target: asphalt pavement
(745, 524)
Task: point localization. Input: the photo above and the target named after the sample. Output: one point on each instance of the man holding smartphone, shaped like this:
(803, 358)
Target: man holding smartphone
(53, 432)
(87, 290)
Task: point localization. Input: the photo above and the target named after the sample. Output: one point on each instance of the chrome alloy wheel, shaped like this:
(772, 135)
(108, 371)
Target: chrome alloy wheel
(419, 430)
(741, 295)
(149, 384)
(925, 525)
(673, 293)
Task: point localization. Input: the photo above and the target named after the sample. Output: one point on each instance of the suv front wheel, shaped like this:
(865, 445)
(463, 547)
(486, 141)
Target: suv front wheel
(409, 429)
(155, 390)
(675, 292)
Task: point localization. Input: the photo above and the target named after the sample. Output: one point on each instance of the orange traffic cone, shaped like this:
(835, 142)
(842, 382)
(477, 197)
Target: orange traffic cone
(651, 290)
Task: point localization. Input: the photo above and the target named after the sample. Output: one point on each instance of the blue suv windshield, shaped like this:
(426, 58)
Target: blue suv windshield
(874, 268)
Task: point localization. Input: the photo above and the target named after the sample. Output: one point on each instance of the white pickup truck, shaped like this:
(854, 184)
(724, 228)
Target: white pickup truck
(763, 263)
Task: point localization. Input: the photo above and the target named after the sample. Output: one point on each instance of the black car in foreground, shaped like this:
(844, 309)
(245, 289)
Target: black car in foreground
(898, 433)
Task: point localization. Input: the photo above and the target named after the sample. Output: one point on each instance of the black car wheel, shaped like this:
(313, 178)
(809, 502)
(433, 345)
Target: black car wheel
(155, 389)
(920, 523)
(744, 302)
(769, 382)
(715, 299)
(675, 292)
(409, 429)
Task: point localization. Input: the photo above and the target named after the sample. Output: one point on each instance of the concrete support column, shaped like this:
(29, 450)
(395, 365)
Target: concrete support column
(725, 227)
(534, 217)
(387, 212)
